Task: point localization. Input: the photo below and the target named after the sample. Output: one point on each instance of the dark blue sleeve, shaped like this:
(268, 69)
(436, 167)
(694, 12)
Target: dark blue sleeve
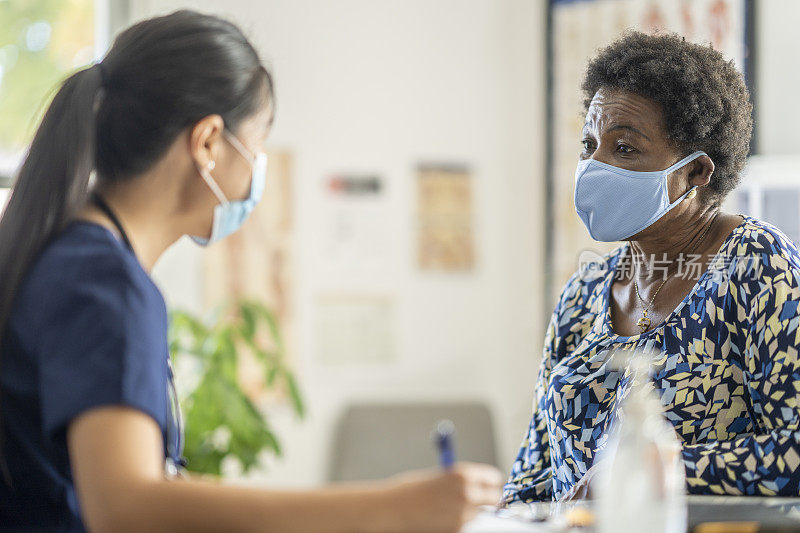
(102, 341)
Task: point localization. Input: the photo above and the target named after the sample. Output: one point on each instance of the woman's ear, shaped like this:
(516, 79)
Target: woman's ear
(700, 171)
(205, 140)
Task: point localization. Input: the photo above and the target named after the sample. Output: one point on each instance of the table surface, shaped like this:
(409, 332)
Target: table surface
(774, 513)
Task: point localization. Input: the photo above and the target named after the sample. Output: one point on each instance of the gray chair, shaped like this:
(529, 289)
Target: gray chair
(373, 441)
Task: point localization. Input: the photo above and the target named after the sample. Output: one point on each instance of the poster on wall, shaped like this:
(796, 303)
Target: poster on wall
(353, 308)
(445, 239)
(578, 28)
(254, 263)
(355, 241)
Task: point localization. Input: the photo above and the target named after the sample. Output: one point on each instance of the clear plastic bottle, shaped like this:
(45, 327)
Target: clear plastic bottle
(641, 486)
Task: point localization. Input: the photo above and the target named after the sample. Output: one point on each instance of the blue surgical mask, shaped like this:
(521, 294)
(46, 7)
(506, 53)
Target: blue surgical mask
(229, 216)
(615, 203)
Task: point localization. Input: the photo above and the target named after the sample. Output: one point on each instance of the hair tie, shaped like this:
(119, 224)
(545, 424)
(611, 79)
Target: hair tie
(102, 88)
(103, 73)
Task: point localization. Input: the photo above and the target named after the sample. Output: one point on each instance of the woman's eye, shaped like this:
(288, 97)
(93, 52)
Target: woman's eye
(624, 148)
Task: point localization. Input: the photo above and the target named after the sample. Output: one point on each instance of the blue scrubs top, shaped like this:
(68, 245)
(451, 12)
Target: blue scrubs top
(88, 328)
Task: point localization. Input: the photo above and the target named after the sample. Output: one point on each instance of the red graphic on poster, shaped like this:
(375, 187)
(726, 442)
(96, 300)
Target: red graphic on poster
(654, 20)
(687, 19)
(719, 23)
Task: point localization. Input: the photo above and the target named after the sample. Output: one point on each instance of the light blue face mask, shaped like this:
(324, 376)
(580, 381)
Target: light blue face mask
(615, 203)
(229, 216)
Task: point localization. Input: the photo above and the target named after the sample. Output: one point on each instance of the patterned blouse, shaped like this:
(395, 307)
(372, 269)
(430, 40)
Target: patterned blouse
(726, 368)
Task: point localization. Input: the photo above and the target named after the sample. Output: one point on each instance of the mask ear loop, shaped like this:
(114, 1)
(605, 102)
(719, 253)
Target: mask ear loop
(685, 161)
(252, 158)
(212, 184)
(691, 193)
(240, 147)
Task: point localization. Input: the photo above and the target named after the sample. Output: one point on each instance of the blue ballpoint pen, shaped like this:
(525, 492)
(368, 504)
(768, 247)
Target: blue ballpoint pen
(444, 441)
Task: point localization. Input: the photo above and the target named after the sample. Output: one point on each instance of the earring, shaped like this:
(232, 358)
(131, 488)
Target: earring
(211, 165)
(691, 194)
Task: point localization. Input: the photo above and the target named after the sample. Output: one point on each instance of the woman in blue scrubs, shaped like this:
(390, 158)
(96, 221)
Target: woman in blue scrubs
(159, 140)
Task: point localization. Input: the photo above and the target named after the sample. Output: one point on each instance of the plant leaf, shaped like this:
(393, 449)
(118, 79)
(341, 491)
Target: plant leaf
(294, 395)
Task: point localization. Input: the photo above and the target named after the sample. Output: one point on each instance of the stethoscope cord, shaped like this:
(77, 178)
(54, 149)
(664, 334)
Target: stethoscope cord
(173, 393)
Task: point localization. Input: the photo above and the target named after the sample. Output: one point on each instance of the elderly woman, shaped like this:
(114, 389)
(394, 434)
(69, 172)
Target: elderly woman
(713, 295)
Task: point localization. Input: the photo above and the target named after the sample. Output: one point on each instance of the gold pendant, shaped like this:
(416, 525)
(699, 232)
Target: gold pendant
(644, 322)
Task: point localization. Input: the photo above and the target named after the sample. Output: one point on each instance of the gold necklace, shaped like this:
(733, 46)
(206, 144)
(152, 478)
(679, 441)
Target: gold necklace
(644, 322)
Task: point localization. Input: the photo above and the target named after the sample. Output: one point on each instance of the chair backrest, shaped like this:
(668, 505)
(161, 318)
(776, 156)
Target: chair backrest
(373, 441)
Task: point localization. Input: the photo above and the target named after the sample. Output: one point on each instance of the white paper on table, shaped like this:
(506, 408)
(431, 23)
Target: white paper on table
(488, 522)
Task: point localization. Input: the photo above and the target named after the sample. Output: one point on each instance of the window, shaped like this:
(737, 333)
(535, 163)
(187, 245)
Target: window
(41, 42)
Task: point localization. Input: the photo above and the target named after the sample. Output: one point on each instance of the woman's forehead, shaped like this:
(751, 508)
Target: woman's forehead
(615, 107)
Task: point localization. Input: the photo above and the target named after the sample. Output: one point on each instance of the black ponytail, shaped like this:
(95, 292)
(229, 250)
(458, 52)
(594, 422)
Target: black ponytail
(51, 185)
(117, 118)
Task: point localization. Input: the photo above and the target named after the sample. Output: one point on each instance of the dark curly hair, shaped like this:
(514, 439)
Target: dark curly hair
(704, 99)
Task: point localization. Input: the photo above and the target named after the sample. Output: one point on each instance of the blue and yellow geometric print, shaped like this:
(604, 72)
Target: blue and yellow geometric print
(726, 368)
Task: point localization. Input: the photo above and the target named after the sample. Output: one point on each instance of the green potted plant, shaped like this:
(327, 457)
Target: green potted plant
(221, 420)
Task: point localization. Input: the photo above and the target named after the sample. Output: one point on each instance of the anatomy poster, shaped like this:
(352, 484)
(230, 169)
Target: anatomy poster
(255, 262)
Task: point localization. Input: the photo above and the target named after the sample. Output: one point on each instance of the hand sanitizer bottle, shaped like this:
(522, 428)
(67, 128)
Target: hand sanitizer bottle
(642, 484)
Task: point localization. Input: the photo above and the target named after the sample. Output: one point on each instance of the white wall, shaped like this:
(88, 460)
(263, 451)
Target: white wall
(778, 76)
(376, 86)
